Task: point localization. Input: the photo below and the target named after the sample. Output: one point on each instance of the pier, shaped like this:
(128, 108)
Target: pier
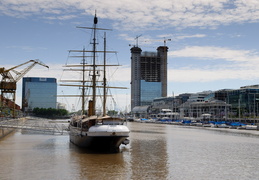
(41, 126)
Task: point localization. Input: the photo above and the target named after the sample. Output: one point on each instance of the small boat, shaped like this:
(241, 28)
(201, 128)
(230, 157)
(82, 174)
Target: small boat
(207, 125)
(91, 130)
(251, 127)
(241, 127)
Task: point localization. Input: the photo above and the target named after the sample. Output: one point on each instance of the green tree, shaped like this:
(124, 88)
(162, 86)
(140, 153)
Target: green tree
(49, 112)
(112, 112)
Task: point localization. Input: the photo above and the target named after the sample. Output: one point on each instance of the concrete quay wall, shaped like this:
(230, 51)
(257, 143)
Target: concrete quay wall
(5, 131)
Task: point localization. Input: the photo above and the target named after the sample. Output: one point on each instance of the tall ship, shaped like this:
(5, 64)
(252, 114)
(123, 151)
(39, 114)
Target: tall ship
(92, 130)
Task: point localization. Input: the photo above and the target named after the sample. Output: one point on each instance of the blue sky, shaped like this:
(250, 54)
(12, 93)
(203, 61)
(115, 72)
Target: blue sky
(214, 44)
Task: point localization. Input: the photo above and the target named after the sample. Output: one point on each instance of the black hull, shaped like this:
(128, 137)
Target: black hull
(109, 144)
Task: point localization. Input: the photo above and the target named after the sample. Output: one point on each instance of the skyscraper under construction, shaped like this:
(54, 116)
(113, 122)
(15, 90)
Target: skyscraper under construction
(148, 75)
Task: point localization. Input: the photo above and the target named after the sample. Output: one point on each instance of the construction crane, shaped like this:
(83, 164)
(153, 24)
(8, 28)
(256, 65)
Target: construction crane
(9, 81)
(165, 40)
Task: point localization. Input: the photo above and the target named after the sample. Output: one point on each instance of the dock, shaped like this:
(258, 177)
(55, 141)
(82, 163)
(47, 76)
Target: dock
(41, 126)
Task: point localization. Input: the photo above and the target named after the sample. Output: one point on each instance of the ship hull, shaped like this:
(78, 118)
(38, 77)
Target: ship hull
(94, 139)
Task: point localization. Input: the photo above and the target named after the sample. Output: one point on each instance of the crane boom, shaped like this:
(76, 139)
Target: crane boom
(19, 75)
(8, 82)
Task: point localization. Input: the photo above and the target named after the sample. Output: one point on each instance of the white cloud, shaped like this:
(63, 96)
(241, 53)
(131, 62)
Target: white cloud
(137, 14)
(211, 53)
(203, 75)
(244, 64)
(190, 36)
(64, 17)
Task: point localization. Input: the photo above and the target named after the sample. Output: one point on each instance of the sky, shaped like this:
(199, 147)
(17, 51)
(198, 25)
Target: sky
(214, 44)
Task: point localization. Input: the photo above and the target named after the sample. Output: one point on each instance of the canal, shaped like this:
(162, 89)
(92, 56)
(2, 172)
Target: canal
(156, 151)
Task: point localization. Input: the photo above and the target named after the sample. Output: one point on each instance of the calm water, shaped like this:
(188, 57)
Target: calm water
(156, 151)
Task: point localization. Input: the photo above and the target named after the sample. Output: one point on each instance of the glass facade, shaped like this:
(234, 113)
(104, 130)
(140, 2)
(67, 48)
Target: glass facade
(244, 101)
(39, 92)
(149, 91)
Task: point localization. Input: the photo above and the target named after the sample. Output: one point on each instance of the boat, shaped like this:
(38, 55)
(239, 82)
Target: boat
(92, 130)
(251, 127)
(168, 114)
(207, 125)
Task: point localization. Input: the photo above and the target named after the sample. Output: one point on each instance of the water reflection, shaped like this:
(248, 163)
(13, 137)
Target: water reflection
(148, 152)
(89, 165)
(156, 151)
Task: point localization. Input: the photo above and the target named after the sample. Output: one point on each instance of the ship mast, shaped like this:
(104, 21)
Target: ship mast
(94, 66)
(94, 86)
(83, 88)
(104, 76)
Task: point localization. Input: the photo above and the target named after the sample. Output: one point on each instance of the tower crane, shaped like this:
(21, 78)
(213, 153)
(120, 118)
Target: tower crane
(9, 81)
(165, 40)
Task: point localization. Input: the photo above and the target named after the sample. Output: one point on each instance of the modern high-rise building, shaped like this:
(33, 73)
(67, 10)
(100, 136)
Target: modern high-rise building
(39, 92)
(148, 75)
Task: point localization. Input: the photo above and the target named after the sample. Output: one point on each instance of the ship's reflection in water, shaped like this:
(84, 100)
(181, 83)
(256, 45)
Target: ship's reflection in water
(156, 151)
(90, 165)
(144, 158)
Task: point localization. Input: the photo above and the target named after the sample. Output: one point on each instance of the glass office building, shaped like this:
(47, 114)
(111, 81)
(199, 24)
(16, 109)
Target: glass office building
(39, 92)
(244, 101)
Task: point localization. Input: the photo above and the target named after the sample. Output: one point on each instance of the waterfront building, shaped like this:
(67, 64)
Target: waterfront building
(160, 104)
(39, 92)
(148, 75)
(205, 103)
(244, 101)
(219, 95)
(141, 111)
(216, 109)
(199, 97)
(225, 104)
(7, 103)
(166, 114)
(172, 103)
(7, 107)
(163, 103)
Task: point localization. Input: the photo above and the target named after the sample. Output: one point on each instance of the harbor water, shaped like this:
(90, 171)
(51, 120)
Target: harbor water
(156, 151)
